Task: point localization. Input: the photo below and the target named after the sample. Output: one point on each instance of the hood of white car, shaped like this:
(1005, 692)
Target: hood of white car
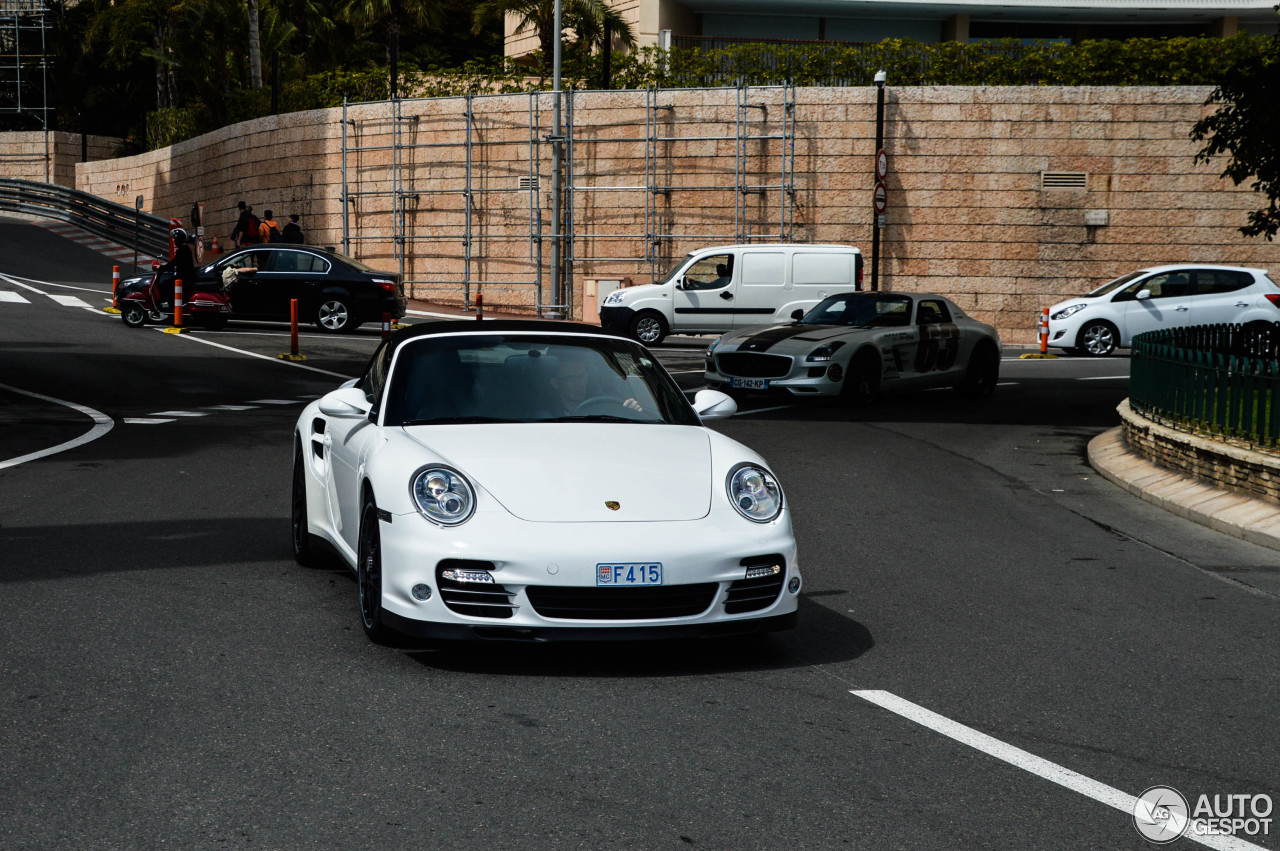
(789, 336)
(572, 472)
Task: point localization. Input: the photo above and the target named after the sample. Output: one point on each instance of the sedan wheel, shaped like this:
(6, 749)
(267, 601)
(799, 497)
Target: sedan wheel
(334, 315)
(982, 373)
(1098, 339)
(369, 577)
(862, 383)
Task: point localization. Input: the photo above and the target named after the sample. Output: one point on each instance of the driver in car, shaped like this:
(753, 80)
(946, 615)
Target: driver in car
(569, 385)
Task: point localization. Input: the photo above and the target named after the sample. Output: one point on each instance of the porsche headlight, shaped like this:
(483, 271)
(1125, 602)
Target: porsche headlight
(755, 493)
(443, 495)
(1068, 311)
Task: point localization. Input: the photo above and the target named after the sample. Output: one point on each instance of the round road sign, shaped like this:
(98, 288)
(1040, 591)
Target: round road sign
(882, 164)
(881, 197)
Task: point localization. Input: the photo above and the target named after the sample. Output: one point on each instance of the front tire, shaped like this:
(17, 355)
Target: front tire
(369, 577)
(133, 314)
(862, 383)
(304, 550)
(982, 374)
(334, 315)
(1098, 339)
(649, 327)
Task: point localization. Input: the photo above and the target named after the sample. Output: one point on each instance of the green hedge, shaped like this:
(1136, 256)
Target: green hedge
(1134, 62)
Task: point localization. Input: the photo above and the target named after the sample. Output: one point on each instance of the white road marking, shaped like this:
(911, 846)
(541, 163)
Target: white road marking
(12, 297)
(16, 278)
(1104, 378)
(274, 402)
(231, 408)
(178, 414)
(146, 420)
(764, 410)
(1029, 762)
(203, 341)
(68, 300)
(101, 425)
(439, 315)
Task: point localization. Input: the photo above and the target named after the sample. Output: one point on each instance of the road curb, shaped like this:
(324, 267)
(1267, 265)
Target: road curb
(1248, 518)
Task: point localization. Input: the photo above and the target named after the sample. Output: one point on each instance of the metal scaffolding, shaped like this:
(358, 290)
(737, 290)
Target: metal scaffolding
(459, 176)
(24, 69)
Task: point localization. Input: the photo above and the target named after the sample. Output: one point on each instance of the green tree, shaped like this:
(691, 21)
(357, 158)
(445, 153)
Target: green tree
(587, 18)
(1246, 128)
(394, 13)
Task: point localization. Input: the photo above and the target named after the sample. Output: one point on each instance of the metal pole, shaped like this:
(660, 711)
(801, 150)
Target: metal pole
(557, 295)
(466, 199)
(875, 218)
(346, 233)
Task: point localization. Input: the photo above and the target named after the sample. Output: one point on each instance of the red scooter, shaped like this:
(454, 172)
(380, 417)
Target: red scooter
(204, 303)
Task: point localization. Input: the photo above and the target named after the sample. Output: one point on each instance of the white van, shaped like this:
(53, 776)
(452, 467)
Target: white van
(714, 290)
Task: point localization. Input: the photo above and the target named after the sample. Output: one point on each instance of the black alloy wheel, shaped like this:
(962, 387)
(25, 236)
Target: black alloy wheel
(303, 541)
(369, 577)
(862, 382)
(982, 374)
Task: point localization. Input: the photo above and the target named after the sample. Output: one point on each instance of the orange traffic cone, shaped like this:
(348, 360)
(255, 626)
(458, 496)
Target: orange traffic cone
(214, 248)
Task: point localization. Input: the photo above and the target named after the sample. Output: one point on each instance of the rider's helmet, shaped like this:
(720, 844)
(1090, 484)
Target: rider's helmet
(179, 236)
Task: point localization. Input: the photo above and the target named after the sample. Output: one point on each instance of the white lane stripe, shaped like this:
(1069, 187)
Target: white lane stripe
(68, 300)
(274, 402)
(107, 291)
(146, 420)
(441, 315)
(101, 425)
(203, 341)
(1029, 762)
(1104, 378)
(20, 284)
(231, 407)
(178, 414)
(12, 297)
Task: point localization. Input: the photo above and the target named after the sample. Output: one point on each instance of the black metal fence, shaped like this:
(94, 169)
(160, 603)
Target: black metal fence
(1218, 379)
(150, 234)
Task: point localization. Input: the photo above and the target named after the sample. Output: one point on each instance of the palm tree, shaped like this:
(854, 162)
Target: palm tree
(394, 12)
(586, 17)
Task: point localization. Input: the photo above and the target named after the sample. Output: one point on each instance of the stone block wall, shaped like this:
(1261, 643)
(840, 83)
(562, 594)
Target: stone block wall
(1237, 468)
(968, 216)
(31, 155)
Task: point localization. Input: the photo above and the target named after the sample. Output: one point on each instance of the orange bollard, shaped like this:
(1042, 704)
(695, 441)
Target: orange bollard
(293, 327)
(479, 305)
(115, 282)
(1044, 331)
(177, 303)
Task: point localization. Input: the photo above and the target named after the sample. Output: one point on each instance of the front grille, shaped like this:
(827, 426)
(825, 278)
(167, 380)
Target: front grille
(620, 604)
(479, 600)
(752, 595)
(753, 365)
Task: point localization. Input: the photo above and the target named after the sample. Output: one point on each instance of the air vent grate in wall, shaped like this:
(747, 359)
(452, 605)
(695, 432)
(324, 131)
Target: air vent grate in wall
(1064, 180)
(528, 183)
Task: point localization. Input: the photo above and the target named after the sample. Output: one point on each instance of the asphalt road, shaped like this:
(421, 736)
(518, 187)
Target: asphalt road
(171, 678)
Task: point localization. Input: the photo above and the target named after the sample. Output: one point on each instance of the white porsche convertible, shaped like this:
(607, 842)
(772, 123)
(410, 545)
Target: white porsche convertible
(857, 345)
(527, 481)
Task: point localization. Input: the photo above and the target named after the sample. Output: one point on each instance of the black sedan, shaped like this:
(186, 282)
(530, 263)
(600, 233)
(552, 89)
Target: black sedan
(334, 291)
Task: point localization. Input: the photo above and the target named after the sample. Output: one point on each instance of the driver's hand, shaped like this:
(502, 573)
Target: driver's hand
(633, 405)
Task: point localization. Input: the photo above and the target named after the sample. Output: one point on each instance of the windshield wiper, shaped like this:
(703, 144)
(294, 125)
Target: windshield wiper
(593, 418)
(459, 421)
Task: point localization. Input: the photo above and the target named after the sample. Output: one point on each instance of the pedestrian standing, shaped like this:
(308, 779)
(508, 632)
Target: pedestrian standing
(293, 231)
(242, 224)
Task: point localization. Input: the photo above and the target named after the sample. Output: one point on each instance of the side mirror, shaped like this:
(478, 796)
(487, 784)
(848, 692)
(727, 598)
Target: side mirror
(345, 403)
(797, 315)
(714, 405)
(1143, 295)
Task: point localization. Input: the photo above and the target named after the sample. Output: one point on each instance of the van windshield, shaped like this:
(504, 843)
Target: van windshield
(676, 269)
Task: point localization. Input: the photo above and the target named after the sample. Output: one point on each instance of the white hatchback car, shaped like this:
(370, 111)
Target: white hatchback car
(530, 481)
(1162, 297)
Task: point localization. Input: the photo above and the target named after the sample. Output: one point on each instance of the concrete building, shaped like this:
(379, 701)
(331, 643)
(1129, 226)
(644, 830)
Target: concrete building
(717, 23)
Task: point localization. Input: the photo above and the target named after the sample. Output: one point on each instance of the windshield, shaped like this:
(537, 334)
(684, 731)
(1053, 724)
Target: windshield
(499, 378)
(676, 269)
(861, 309)
(1110, 286)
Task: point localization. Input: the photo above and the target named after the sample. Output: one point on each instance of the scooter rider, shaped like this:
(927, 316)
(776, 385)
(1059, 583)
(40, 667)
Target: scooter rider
(181, 268)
